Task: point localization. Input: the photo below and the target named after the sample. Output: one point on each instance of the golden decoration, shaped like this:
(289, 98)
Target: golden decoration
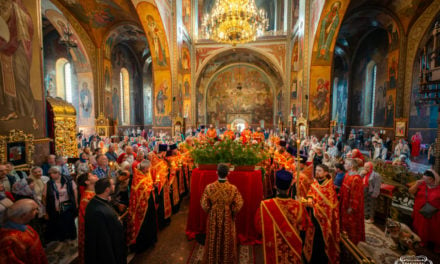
(17, 136)
(64, 117)
(102, 125)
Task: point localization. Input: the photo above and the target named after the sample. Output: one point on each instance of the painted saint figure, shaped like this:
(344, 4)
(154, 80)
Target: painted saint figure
(321, 99)
(16, 35)
(159, 51)
(86, 100)
(115, 104)
(328, 29)
(161, 97)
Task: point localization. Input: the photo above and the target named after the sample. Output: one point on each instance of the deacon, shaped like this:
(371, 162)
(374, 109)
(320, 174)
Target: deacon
(324, 204)
(352, 203)
(142, 222)
(221, 201)
(104, 232)
(19, 243)
(246, 135)
(228, 134)
(258, 135)
(86, 184)
(286, 227)
(211, 133)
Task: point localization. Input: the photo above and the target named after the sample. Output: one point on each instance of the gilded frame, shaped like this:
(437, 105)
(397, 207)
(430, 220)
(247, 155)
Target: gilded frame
(18, 136)
(401, 127)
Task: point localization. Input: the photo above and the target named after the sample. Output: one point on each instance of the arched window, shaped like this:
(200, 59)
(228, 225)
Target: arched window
(64, 79)
(125, 96)
(370, 93)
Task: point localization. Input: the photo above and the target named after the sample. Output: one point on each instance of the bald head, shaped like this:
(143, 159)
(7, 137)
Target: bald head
(22, 211)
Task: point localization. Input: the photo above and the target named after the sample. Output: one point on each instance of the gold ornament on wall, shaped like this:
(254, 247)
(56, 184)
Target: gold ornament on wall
(17, 148)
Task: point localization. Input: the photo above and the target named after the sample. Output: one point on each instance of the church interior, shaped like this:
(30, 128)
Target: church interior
(109, 86)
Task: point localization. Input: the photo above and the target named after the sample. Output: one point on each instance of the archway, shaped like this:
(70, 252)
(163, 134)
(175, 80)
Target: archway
(238, 124)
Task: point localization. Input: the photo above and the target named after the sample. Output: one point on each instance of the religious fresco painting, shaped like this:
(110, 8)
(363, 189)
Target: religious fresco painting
(326, 34)
(316, 7)
(162, 98)
(239, 90)
(21, 87)
(86, 108)
(107, 76)
(319, 107)
(186, 14)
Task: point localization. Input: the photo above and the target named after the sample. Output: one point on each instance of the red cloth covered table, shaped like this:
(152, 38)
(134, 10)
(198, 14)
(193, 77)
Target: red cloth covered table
(250, 185)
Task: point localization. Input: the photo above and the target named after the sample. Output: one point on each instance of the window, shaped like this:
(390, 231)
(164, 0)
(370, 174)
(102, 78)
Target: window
(64, 80)
(370, 93)
(125, 96)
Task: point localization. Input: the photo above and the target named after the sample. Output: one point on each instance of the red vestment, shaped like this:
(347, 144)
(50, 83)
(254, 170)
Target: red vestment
(246, 136)
(229, 134)
(211, 133)
(21, 247)
(427, 229)
(258, 136)
(281, 221)
(85, 199)
(141, 188)
(415, 145)
(352, 196)
(326, 212)
(159, 174)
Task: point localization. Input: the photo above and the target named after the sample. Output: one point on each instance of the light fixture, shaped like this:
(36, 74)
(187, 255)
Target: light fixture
(239, 86)
(235, 21)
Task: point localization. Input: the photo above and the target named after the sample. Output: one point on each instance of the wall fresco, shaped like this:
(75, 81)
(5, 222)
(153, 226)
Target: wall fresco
(255, 96)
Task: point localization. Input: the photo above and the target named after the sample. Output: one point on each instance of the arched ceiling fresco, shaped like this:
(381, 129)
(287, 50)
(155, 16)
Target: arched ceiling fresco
(98, 16)
(131, 35)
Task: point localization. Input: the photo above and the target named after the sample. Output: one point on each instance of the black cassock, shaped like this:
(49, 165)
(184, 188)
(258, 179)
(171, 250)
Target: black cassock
(104, 234)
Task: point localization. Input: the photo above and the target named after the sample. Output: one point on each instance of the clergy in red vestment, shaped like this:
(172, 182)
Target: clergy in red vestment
(416, 141)
(246, 135)
(352, 203)
(201, 136)
(286, 227)
(229, 134)
(258, 135)
(323, 200)
(427, 190)
(86, 182)
(221, 201)
(142, 223)
(19, 243)
(211, 133)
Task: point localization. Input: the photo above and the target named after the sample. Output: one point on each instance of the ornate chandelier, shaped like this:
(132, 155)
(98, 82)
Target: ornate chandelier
(235, 21)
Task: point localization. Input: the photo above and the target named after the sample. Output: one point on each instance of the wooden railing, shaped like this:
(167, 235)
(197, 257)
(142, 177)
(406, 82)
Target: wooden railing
(350, 253)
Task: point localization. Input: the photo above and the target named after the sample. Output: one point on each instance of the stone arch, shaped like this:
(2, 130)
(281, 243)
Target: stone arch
(415, 36)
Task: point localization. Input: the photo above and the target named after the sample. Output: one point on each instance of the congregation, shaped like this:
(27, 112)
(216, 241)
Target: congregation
(123, 191)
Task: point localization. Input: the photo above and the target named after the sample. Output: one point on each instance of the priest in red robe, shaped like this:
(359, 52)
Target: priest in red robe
(19, 243)
(142, 223)
(427, 190)
(86, 182)
(229, 134)
(323, 201)
(258, 135)
(416, 141)
(246, 135)
(211, 133)
(352, 203)
(286, 227)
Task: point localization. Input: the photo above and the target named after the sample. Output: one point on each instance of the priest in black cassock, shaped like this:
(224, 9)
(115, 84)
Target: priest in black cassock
(104, 232)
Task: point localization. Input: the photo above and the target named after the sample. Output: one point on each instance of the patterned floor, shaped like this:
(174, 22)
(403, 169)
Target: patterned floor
(246, 255)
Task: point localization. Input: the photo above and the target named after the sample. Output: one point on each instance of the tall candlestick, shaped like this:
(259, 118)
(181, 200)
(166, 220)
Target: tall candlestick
(298, 141)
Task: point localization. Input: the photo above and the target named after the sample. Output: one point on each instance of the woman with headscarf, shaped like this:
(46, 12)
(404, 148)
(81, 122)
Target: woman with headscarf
(356, 154)
(371, 181)
(82, 165)
(426, 211)
(22, 189)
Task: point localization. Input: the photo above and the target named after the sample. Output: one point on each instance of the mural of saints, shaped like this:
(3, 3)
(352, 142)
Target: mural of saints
(86, 100)
(328, 27)
(158, 50)
(161, 97)
(115, 104)
(320, 100)
(16, 98)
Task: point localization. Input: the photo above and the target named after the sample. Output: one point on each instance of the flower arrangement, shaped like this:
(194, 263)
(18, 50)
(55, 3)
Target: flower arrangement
(228, 151)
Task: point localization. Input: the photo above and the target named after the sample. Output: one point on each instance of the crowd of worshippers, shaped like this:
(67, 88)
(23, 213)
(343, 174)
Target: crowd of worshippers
(117, 204)
(135, 184)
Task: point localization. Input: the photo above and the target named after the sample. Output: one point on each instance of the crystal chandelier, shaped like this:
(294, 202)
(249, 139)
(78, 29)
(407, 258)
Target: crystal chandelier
(235, 21)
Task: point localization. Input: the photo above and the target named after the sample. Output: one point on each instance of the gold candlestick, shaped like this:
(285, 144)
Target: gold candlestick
(298, 141)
